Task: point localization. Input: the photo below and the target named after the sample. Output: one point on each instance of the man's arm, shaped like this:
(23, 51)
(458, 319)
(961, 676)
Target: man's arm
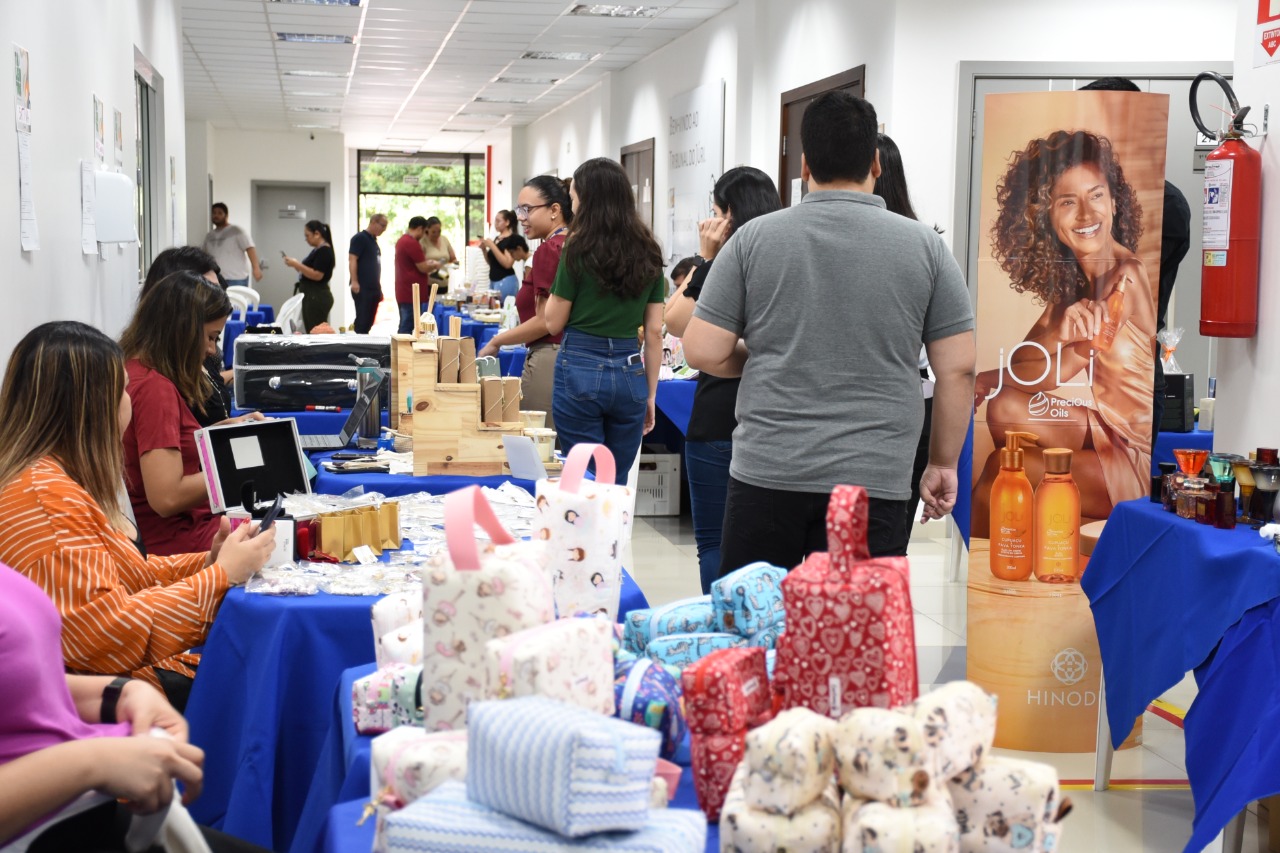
(253, 262)
(714, 350)
(352, 263)
(952, 359)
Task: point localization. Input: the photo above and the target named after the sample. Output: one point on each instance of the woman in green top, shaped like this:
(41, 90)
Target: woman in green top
(608, 285)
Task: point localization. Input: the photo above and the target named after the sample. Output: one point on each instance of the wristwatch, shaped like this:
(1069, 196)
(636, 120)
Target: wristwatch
(110, 696)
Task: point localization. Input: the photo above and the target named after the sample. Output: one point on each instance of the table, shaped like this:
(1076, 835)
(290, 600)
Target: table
(261, 705)
(394, 485)
(1165, 593)
(675, 400)
(1197, 439)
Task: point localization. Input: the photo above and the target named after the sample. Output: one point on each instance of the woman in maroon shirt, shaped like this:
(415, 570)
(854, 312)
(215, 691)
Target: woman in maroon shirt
(546, 211)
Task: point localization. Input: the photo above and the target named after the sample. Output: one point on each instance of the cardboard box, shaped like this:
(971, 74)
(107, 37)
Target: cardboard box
(450, 350)
(491, 399)
(511, 399)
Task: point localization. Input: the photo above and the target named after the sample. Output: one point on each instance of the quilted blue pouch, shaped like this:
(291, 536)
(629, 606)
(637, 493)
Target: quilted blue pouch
(648, 695)
(448, 822)
(767, 638)
(681, 650)
(559, 766)
(750, 599)
(635, 630)
(686, 616)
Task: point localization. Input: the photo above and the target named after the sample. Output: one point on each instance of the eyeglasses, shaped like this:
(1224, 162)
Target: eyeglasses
(523, 210)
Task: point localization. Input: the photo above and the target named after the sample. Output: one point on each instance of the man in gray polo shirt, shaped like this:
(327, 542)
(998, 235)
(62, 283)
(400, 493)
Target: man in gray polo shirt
(833, 299)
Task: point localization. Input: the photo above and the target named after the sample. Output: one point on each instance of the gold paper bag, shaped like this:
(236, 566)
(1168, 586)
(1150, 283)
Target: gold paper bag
(467, 361)
(331, 534)
(491, 399)
(450, 348)
(389, 525)
(511, 399)
(369, 533)
(352, 533)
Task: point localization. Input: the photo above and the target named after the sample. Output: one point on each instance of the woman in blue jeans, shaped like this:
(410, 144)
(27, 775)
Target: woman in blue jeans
(741, 194)
(609, 284)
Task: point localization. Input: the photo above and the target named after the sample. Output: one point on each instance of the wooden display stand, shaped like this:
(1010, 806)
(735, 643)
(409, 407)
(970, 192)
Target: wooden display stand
(1034, 646)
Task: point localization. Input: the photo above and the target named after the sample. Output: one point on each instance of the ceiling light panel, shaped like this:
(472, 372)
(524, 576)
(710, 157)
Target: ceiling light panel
(559, 56)
(314, 38)
(490, 99)
(605, 10)
(315, 73)
(339, 3)
(532, 81)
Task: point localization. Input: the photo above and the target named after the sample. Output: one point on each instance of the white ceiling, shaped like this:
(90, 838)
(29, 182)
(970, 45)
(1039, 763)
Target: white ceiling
(411, 79)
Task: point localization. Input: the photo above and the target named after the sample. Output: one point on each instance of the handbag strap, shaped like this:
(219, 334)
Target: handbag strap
(463, 510)
(847, 527)
(575, 466)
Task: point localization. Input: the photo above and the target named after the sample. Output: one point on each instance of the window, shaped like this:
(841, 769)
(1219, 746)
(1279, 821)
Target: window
(144, 105)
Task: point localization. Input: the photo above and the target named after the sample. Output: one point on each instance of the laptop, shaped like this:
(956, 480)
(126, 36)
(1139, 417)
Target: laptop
(343, 438)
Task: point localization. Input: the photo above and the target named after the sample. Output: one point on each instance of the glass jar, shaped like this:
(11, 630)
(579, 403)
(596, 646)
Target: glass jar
(1189, 497)
(1207, 507)
(1226, 519)
(1266, 480)
(1172, 485)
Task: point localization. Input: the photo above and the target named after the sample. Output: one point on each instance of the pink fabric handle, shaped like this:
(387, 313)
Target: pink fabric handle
(463, 510)
(847, 527)
(575, 466)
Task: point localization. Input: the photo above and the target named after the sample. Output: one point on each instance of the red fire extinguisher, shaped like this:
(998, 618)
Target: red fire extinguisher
(1232, 223)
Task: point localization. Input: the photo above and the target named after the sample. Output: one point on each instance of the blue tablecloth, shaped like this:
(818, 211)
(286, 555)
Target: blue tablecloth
(1165, 592)
(393, 485)
(511, 360)
(268, 312)
(1166, 442)
(234, 329)
(675, 400)
(313, 423)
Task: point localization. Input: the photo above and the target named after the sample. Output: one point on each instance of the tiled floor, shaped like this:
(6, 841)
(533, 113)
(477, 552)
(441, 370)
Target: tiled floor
(665, 561)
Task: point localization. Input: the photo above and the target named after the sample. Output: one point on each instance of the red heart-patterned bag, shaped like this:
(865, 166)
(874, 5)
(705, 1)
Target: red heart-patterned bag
(714, 760)
(850, 636)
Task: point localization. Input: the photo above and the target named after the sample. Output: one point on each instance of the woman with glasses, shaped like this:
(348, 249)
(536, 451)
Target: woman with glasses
(609, 284)
(546, 211)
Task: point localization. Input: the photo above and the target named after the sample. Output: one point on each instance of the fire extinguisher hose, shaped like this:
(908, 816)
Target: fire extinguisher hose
(1237, 113)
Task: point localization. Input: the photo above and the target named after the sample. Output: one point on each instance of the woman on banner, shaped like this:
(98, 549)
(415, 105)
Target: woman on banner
(1067, 233)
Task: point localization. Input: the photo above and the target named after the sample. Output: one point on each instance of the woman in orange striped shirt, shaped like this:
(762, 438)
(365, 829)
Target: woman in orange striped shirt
(63, 409)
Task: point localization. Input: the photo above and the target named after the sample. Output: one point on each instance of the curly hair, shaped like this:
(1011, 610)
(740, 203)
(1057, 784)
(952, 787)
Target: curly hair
(608, 241)
(1023, 238)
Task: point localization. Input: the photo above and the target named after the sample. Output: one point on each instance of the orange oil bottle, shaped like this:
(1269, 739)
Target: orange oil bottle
(1057, 521)
(1012, 526)
(1115, 306)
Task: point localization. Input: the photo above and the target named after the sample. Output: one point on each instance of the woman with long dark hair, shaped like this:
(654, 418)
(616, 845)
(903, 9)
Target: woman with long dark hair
(314, 273)
(741, 194)
(503, 253)
(609, 285)
(892, 187)
(546, 210)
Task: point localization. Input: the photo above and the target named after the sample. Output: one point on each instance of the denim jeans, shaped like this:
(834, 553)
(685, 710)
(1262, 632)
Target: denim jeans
(406, 319)
(707, 464)
(506, 287)
(600, 395)
(237, 282)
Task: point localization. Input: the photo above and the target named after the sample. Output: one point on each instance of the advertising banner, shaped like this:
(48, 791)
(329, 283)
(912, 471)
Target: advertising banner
(1072, 196)
(695, 160)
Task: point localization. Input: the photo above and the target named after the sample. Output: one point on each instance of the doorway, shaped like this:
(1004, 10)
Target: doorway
(794, 102)
(1183, 167)
(637, 161)
(280, 211)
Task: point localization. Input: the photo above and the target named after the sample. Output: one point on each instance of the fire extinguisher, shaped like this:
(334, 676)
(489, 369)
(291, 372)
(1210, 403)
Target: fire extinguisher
(1232, 223)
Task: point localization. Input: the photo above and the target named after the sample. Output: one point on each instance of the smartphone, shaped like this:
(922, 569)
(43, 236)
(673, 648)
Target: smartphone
(349, 455)
(272, 515)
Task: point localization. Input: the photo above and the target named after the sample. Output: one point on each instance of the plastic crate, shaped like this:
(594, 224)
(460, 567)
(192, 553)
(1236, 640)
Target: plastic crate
(658, 486)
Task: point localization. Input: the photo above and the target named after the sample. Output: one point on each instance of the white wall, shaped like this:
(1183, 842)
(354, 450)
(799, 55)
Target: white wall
(199, 169)
(573, 132)
(78, 50)
(932, 37)
(1248, 409)
(241, 157)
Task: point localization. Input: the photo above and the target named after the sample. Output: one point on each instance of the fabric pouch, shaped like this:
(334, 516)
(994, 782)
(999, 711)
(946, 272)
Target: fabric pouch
(559, 766)
(686, 616)
(386, 698)
(648, 695)
(881, 755)
(767, 638)
(727, 691)
(789, 762)
(407, 763)
(815, 828)
(392, 612)
(714, 760)
(569, 659)
(635, 630)
(871, 827)
(959, 721)
(749, 599)
(682, 650)
(1008, 805)
(403, 645)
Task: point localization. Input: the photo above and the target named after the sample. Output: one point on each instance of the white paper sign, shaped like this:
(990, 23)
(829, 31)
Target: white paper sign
(797, 189)
(1217, 204)
(88, 229)
(30, 232)
(695, 160)
(246, 452)
(364, 554)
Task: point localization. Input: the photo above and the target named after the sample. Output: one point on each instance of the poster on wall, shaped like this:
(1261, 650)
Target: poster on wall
(1068, 269)
(99, 128)
(119, 137)
(1266, 45)
(22, 88)
(695, 160)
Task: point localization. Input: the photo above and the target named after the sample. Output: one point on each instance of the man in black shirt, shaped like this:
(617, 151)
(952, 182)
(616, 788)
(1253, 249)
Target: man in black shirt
(364, 260)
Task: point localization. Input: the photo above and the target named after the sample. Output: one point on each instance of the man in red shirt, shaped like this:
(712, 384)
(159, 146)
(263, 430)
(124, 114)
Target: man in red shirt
(411, 266)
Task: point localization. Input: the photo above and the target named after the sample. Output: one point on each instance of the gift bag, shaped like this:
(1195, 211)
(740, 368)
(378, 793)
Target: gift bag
(959, 721)
(750, 599)
(881, 755)
(1008, 805)
(586, 525)
(560, 767)
(871, 827)
(850, 638)
(390, 613)
(812, 828)
(648, 695)
(470, 596)
(789, 762)
(389, 525)
(727, 691)
(569, 659)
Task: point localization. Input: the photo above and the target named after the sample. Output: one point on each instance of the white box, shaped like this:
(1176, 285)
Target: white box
(658, 485)
(282, 553)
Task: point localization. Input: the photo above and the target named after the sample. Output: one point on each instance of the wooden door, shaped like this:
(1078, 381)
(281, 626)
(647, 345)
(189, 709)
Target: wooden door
(794, 103)
(637, 160)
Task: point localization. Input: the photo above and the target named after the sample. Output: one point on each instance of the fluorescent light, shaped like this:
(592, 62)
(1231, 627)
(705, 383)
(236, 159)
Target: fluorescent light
(480, 115)
(564, 56)
(314, 38)
(336, 74)
(320, 2)
(606, 10)
(481, 99)
(314, 94)
(316, 109)
(313, 126)
(537, 81)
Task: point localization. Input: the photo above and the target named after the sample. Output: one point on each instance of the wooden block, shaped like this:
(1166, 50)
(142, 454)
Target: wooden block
(490, 400)
(417, 306)
(511, 399)
(450, 349)
(401, 372)
(467, 361)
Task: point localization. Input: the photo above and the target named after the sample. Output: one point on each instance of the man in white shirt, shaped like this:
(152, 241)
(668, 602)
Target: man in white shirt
(232, 248)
